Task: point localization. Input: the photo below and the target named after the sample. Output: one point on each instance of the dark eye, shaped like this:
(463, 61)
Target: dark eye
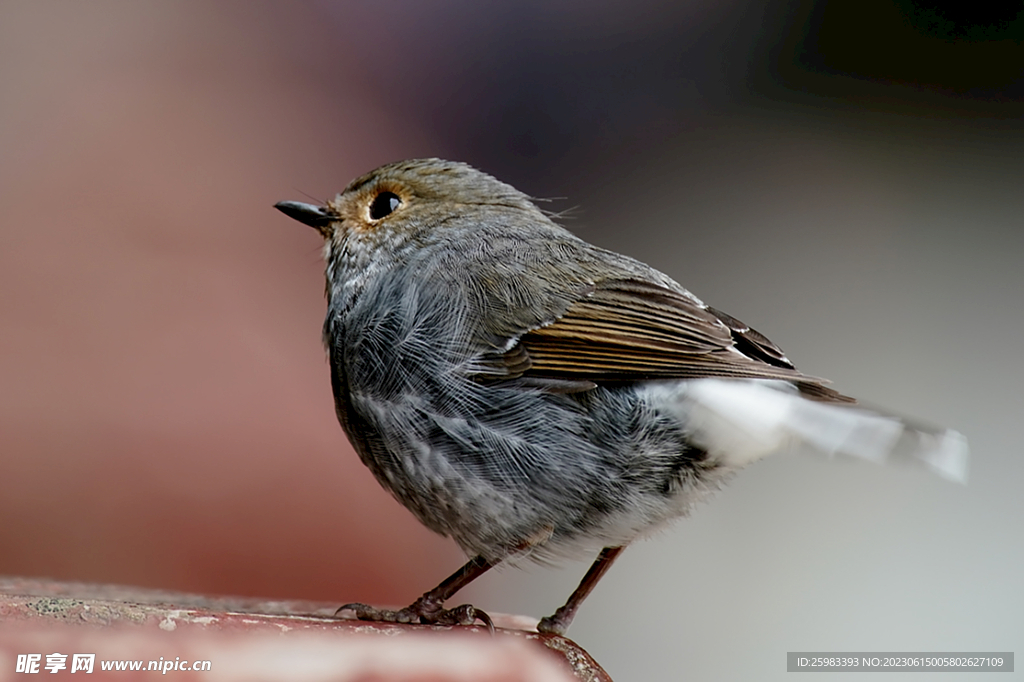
(384, 205)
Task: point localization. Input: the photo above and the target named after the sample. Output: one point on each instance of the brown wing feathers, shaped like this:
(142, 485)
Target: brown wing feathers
(631, 330)
(751, 342)
(642, 315)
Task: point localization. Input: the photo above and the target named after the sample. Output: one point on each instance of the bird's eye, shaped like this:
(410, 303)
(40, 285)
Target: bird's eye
(384, 205)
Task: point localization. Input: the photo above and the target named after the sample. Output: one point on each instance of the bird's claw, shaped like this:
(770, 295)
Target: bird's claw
(550, 626)
(465, 614)
(372, 613)
(557, 623)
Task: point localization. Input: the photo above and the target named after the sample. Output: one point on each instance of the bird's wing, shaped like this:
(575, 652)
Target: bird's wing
(629, 330)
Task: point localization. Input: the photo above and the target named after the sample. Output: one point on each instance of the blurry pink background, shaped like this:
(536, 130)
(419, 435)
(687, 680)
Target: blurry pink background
(166, 409)
(827, 172)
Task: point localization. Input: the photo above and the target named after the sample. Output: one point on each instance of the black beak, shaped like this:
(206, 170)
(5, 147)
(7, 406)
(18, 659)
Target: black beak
(311, 215)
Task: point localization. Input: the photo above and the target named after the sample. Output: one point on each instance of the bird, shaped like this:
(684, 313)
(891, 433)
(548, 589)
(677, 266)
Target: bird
(533, 396)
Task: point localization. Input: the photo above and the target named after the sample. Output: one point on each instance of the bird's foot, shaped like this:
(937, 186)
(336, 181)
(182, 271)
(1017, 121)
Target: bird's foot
(425, 611)
(557, 623)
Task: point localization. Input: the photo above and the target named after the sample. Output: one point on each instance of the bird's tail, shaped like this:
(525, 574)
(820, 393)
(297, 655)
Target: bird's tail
(738, 422)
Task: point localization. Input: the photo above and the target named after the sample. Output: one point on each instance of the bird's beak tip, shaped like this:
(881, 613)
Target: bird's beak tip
(308, 214)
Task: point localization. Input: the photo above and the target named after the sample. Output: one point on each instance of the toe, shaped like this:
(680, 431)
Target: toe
(551, 625)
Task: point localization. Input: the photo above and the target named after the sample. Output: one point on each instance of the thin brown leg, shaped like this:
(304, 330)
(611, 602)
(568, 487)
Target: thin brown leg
(429, 608)
(558, 623)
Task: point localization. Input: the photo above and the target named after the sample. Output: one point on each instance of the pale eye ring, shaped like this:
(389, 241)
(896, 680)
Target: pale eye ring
(384, 204)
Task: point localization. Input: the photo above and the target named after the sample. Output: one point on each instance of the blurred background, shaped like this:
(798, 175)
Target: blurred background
(843, 175)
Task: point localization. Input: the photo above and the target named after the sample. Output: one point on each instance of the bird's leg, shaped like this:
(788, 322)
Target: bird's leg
(558, 623)
(429, 608)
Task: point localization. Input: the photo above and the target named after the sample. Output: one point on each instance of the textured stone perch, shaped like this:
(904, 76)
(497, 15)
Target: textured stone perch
(250, 639)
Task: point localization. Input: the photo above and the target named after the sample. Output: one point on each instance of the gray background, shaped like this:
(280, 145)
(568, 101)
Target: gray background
(845, 177)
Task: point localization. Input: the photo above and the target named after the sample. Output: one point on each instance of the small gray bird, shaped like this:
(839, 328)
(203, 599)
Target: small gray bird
(531, 395)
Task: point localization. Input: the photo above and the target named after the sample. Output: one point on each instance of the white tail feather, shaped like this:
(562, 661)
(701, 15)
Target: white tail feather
(738, 422)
